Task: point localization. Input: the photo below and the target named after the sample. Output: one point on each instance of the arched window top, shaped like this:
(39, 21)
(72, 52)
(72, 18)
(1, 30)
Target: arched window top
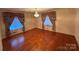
(47, 21)
(16, 24)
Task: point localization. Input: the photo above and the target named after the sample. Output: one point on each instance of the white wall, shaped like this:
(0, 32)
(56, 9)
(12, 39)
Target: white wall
(30, 21)
(65, 21)
(39, 22)
(77, 26)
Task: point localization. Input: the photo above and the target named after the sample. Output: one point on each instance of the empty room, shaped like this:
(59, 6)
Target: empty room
(39, 29)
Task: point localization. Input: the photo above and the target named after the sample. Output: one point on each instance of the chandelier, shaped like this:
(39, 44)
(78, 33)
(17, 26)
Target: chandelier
(36, 13)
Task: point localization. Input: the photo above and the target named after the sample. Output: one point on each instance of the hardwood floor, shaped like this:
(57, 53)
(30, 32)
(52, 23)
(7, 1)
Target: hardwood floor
(40, 40)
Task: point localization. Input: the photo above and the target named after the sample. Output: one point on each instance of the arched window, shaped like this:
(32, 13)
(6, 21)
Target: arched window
(16, 24)
(47, 21)
(48, 25)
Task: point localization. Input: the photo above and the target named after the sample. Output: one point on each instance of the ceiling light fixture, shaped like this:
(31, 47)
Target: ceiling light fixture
(36, 13)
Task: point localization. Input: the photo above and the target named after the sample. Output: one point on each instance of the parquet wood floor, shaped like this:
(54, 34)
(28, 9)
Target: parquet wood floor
(40, 40)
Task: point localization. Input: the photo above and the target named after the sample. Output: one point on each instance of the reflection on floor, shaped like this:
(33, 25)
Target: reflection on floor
(17, 42)
(40, 40)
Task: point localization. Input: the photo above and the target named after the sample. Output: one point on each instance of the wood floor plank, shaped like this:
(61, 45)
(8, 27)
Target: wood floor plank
(40, 40)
